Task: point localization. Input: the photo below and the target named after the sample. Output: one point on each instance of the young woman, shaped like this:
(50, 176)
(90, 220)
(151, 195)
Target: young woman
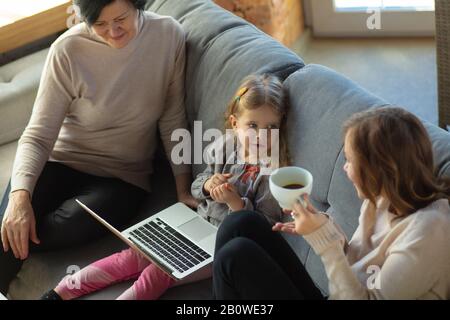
(403, 235)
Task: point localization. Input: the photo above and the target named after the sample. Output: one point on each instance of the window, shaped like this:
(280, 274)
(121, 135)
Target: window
(14, 10)
(24, 21)
(416, 5)
(373, 17)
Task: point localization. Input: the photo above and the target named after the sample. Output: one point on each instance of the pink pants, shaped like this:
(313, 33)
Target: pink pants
(128, 264)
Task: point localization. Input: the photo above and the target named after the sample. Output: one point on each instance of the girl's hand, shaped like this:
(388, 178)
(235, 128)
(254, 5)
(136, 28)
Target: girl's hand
(227, 193)
(215, 181)
(306, 219)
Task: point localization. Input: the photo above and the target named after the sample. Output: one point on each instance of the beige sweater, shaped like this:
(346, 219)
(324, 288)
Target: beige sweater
(98, 109)
(389, 257)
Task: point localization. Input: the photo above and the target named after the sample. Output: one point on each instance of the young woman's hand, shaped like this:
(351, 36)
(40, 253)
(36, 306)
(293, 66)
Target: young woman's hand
(227, 193)
(306, 219)
(215, 181)
(288, 227)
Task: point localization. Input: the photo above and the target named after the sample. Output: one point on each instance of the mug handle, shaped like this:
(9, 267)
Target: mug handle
(302, 201)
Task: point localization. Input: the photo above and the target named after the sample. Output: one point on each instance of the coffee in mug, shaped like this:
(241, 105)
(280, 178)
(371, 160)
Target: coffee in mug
(288, 184)
(294, 186)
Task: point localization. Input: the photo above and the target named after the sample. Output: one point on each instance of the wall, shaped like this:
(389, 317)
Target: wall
(282, 19)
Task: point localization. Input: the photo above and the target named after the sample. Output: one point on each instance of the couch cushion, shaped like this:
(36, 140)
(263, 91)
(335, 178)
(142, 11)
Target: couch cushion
(222, 49)
(441, 148)
(18, 88)
(321, 100)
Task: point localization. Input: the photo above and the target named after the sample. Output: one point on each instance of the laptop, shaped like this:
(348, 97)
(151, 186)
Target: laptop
(2, 297)
(177, 239)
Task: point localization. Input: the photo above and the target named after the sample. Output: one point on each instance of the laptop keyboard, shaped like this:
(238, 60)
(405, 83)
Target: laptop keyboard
(170, 245)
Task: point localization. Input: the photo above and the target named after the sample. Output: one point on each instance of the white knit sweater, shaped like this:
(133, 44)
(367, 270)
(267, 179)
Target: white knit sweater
(388, 257)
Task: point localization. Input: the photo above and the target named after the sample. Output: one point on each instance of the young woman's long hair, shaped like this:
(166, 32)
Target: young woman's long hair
(257, 91)
(394, 158)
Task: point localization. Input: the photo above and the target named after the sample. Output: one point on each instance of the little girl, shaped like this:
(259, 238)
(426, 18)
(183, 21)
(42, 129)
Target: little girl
(400, 249)
(237, 177)
(233, 180)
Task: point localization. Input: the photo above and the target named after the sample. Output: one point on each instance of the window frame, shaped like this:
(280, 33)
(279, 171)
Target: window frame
(328, 22)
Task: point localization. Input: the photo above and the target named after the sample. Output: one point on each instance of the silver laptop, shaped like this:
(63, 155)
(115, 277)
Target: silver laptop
(176, 239)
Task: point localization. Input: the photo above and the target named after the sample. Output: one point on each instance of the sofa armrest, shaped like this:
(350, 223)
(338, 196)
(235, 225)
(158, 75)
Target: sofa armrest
(19, 82)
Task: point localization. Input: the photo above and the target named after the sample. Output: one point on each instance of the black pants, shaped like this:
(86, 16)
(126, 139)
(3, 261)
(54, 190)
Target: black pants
(60, 222)
(253, 262)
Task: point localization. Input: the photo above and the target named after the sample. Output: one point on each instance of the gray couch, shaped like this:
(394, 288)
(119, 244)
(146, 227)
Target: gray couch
(221, 50)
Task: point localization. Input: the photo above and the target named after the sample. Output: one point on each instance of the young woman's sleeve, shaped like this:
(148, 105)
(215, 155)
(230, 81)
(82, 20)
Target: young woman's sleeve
(413, 264)
(328, 242)
(55, 94)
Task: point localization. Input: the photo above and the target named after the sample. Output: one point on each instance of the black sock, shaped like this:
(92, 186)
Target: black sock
(51, 295)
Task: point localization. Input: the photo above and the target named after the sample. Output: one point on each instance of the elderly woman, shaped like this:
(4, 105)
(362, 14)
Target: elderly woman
(108, 85)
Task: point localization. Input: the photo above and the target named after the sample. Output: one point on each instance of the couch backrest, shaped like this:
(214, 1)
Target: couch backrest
(222, 49)
(321, 100)
(19, 82)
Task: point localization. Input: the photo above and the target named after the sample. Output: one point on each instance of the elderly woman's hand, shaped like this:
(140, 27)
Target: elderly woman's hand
(19, 225)
(307, 219)
(188, 199)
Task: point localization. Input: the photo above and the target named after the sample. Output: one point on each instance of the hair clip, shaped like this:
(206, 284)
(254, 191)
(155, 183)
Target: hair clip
(240, 93)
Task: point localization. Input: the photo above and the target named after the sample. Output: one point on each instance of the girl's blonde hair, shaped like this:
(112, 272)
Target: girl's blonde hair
(257, 91)
(394, 158)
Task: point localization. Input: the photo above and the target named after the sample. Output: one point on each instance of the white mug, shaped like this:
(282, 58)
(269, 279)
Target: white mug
(283, 177)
